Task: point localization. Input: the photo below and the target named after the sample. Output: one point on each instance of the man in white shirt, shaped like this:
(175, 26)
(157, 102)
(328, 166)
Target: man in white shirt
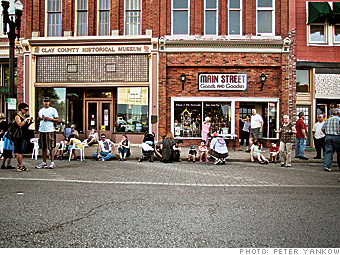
(218, 150)
(319, 137)
(105, 149)
(47, 137)
(255, 127)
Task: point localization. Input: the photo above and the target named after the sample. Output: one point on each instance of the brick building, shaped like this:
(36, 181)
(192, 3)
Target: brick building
(118, 65)
(318, 59)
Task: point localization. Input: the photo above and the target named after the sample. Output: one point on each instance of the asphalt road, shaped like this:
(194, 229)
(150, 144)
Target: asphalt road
(131, 204)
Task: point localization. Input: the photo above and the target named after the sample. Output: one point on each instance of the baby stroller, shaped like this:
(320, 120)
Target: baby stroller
(148, 147)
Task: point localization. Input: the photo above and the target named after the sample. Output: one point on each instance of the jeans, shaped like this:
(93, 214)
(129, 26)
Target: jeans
(124, 151)
(286, 152)
(300, 147)
(105, 155)
(332, 145)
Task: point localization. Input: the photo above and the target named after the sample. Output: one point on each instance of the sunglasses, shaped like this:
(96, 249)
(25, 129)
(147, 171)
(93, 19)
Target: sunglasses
(25, 109)
(103, 137)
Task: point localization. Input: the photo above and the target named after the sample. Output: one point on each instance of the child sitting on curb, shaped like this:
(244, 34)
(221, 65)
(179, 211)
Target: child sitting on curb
(274, 153)
(192, 153)
(255, 153)
(203, 151)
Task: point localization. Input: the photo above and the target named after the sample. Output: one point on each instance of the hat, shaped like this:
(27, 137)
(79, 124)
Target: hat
(215, 134)
(47, 99)
(2, 116)
(192, 147)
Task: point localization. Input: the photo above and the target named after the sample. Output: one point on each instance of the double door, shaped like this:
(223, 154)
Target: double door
(99, 116)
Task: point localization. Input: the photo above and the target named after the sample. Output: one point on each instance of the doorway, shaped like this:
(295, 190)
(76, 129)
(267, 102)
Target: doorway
(99, 116)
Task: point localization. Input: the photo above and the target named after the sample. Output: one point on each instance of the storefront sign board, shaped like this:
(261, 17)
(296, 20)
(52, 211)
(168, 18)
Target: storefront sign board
(226, 81)
(12, 104)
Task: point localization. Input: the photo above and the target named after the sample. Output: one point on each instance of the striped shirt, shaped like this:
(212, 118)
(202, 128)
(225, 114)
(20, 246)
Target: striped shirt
(332, 126)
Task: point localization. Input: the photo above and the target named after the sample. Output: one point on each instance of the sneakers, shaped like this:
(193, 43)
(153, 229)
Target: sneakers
(288, 165)
(3, 167)
(283, 164)
(42, 165)
(304, 158)
(51, 166)
(201, 160)
(327, 169)
(217, 162)
(207, 160)
(9, 167)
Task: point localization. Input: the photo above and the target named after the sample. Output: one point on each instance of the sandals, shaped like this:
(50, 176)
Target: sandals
(22, 169)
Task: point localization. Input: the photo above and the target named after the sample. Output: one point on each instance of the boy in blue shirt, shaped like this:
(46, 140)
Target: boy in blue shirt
(7, 153)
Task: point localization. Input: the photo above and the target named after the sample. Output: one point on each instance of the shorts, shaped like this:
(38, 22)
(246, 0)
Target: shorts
(20, 146)
(7, 154)
(256, 154)
(255, 133)
(218, 155)
(47, 140)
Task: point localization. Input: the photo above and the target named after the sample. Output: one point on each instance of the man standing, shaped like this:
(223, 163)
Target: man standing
(319, 137)
(301, 135)
(47, 138)
(255, 127)
(332, 143)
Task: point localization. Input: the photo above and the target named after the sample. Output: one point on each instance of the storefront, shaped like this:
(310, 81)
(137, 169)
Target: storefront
(102, 87)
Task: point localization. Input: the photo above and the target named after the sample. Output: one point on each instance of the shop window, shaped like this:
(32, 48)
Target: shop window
(220, 114)
(82, 17)
(132, 110)
(104, 17)
(211, 17)
(265, 17)
(235, 17)
(188, 119)
(133, 17)
(53, 17)
(302, 80)
(180, 17)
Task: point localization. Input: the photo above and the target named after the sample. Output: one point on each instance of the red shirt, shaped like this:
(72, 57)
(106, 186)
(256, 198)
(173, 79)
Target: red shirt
(299, 126)
(274, 149)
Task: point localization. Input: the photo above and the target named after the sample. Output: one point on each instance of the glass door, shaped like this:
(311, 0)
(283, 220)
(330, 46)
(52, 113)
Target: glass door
(99, 117)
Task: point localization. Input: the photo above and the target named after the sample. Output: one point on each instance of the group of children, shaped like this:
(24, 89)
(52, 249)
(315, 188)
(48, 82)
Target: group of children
(202, 153)
(256, 153)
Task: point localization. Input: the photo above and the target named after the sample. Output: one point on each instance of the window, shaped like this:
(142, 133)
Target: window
(302, 80)
(317, 33)
(211, 17)
(133, 17)
(265, 17)
(82, 17)
(132, 110)
(54, 18)
(104, 17)
(337, 33)
(180, 17)
(235, 17)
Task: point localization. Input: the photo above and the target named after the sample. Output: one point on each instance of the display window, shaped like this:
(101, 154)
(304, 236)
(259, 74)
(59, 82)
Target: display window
(188, 119)
(220, 115)
(132, 113)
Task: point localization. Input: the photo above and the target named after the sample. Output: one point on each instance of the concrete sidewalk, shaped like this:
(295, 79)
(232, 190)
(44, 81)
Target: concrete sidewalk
(234, 155)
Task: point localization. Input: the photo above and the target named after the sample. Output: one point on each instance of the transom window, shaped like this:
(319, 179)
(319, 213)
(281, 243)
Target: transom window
(235, 17)
(180, 17)
(211, 17)
(265, 17)
(54, 18)
(104, 17)
(133, 17)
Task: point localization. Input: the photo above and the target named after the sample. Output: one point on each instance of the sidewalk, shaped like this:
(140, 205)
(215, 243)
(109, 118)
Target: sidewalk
(234, 156)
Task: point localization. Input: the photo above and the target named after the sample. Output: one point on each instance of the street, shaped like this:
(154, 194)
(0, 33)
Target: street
(132, 204)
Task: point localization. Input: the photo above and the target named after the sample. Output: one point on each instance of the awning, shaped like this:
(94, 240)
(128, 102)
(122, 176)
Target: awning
(335, 16)
(318, 11)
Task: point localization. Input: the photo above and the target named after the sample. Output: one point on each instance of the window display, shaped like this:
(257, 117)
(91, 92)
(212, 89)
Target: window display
(220, 114)
(188, 119)
(132, 110)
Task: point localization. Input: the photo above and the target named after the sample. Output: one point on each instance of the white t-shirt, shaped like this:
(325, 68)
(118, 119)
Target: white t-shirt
(47, 126)
(317, 129)
(105, 146)
(219, 145)
(256, 121)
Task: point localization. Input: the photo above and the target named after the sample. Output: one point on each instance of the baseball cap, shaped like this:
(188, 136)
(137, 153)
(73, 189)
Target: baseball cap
(47, 99)
(192, 147)
(215, 134)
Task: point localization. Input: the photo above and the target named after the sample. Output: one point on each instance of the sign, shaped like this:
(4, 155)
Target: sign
(12, 104)
(123, 49)
(4, 89)
(227, 81)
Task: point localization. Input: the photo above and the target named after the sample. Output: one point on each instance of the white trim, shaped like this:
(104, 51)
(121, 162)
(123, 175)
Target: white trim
(205, 17)
(272, 9)
(238, 50)
(241, 15)
(172, 18)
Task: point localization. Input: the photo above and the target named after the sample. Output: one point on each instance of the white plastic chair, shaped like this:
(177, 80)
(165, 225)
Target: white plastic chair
(81, 151)
(1, 146)
(35, 151)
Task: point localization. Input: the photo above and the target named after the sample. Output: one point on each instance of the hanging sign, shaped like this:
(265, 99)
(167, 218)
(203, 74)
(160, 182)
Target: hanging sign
(12, 104)
(227, 81)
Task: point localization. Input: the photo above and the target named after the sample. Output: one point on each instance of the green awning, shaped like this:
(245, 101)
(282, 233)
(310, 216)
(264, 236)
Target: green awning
(335, 16)
(318, 11)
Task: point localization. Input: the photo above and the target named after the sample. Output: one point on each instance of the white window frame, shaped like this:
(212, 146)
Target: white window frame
(333, 35)
(205, 17)
(46, 18)
(98, 17)
(76, 18)
(241, 12)
(172, 17)
(272, 9)
(125, 17)
(326, 31)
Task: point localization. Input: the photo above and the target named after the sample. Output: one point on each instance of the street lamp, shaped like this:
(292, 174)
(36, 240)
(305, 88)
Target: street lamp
(263, 79)
(13, 33)
(183, 76)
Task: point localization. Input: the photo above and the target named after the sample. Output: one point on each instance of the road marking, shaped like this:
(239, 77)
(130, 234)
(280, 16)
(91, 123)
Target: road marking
(171, 183)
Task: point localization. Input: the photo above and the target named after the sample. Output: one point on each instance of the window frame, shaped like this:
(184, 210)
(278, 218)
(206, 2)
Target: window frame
(47, 18)
(125, 17)
(326, 34)
(241, 14)
(272, 9)
(309, 78)
(77, 10)
(205, 17)
(333, 35)
(172, 17)
(99, 11)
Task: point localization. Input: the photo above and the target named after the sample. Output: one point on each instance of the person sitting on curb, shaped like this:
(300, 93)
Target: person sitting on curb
(105, 149)
(124, 148)
(218, 150)
(274, 153)
(203, 152)
(177, 152)
(192, 154)
(255, 153)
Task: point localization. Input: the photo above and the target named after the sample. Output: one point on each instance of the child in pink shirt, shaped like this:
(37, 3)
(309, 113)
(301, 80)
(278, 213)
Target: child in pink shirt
(203, 151)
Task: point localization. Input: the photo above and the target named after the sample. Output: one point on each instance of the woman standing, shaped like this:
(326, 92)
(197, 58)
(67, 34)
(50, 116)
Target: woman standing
(23, 121)
(124, 148)
(245, 132)
(287, 130)
(206, 130)
(167, 150)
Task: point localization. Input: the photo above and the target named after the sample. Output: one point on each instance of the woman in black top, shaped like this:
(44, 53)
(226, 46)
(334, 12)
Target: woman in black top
(23, 121)
(167, 150)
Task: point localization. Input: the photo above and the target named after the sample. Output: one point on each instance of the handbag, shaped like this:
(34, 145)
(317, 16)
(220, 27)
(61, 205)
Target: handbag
(14, 132)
